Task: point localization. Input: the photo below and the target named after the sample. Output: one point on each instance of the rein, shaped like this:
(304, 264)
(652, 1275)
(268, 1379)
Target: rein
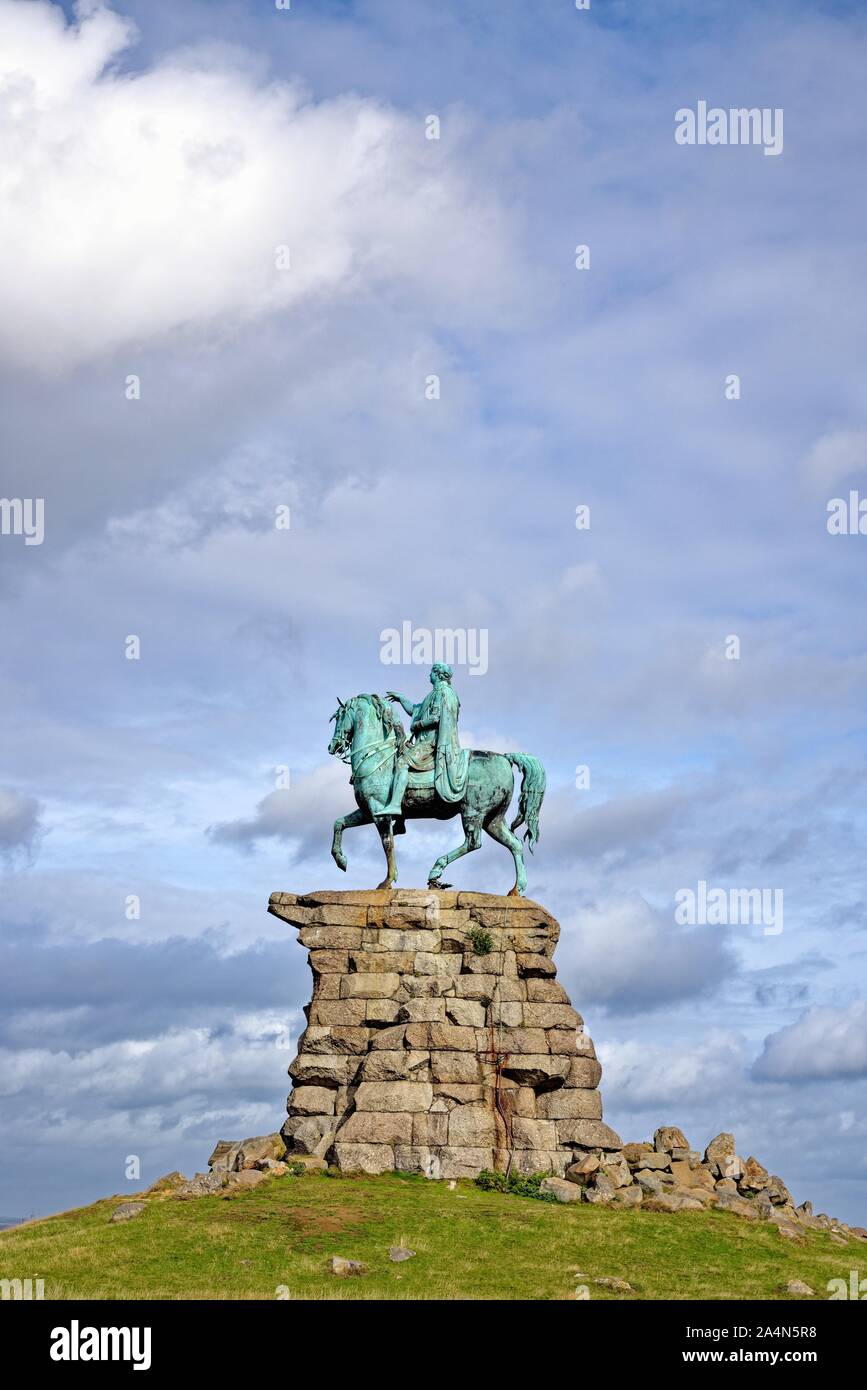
(373, 748)
(355, 760)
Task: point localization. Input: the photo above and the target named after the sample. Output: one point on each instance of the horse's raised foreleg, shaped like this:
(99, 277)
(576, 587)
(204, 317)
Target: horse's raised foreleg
(385, 826)
(498, 830)
(473, 833)
(345, 823)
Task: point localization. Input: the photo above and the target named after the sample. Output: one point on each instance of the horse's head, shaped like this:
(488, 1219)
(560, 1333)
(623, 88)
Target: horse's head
(344, 723)
(366, 718)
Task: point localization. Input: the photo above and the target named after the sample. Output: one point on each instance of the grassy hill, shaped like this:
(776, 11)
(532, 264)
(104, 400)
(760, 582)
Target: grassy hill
(470, 1244)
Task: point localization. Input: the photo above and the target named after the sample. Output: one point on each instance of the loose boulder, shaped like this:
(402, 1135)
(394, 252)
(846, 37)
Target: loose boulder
(345, 1268)
(668, 1138)
(754, 1177)
(562, 1190)
(127, 1211)
(717, 1151)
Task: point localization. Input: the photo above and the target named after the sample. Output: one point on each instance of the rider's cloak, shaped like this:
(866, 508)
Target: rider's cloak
(452, 761)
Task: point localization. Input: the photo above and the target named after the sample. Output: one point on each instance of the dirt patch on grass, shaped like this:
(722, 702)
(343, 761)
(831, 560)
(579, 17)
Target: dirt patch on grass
(305, 1222)
(310, 1223)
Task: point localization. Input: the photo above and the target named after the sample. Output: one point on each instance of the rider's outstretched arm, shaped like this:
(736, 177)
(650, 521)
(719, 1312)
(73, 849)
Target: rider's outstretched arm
(408, 706)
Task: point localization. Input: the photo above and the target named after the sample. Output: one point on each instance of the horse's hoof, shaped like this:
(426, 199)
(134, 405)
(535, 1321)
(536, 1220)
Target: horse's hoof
(435, 883)
(515, 892)
(386, 883)
(341, 863)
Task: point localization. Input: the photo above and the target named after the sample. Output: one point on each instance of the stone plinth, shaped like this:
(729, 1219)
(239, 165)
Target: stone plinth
(438, 1040)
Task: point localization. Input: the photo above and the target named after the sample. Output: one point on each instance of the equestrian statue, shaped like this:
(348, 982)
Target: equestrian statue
(430, 777)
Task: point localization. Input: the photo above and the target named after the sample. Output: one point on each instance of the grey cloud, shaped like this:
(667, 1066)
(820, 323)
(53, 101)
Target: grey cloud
(624, 825)
(623, 955)
(303, 813)
(79, 995)
(19, 820)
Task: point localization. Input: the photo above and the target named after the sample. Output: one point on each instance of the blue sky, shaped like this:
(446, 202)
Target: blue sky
(158, 154)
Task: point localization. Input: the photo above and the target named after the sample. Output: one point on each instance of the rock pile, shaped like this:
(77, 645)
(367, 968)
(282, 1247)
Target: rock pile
(438, 1039)
(233, 1166)
(668, 1175)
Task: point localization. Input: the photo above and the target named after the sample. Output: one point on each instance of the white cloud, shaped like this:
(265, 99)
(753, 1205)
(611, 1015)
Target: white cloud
(825, 1042)
(835, 457)
(138, 205)
(250, 1055)
(641, 1073)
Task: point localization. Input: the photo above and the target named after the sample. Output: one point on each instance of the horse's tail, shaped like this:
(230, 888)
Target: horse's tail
(532, 792)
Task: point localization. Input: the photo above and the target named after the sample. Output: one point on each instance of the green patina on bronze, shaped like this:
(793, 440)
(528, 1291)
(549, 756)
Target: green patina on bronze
(430, 777)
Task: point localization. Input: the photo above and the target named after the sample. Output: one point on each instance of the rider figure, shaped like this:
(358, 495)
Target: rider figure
(435, 746)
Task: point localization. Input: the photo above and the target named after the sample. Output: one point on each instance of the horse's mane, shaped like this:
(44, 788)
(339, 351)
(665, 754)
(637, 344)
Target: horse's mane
(390, 721)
